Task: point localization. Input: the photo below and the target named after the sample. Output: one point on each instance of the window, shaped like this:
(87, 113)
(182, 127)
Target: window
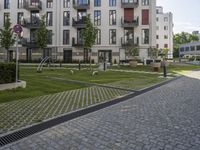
(165, 27)
(157, 45)
(165, 37)
(98, 39)
(49, 3)
(97, 3)
(166, 46)
(112, 36)
(198, 47)
(65, 37)
(20, 4)
(145, 2)
(66, 3)
(145, 36)
(192, 48)
(20, 18)
(49, 19)
(112, 2)
(49, 40)
(182, 49)
(157, 19)
(6, 4)
(157, 11)
(97, 17)
(66, 18)
(82, 2)
(112, 17)
(6, 16)
(157, 36)
(187, 48)
(145, 17)
(165, 19)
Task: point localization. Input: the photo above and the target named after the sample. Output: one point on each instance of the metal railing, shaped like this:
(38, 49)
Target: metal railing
(81, 5)
(134, 22)
(33, 5)
(134, 42)
(128, 4)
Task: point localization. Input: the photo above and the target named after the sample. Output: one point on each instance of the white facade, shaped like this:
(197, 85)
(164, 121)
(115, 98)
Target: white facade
(70, 51)
(164, 32)
(189, 49)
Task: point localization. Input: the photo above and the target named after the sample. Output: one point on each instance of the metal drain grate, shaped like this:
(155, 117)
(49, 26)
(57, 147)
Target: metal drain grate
(15, 136)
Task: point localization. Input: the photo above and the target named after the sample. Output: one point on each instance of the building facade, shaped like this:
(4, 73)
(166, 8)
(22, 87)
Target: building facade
(120, 23)
(164, 30)
(189, 49)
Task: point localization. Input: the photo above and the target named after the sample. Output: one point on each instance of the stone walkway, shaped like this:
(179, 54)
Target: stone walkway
(167, 118)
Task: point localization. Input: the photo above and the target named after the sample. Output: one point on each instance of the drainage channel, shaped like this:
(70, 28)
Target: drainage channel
(17, 135)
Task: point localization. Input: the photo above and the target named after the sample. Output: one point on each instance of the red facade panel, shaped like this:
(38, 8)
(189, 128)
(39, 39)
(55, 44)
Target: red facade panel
(128, 14)
(145, 17)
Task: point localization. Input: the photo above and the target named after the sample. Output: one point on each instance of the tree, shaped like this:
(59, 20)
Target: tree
(42, 34)
(132, 51)
(89, 34)
(153, 53)
(163, 52)
(7, 38)
(182, 38)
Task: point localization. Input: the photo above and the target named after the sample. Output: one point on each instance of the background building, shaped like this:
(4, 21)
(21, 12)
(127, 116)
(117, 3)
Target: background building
(121, 23)
(164, 32)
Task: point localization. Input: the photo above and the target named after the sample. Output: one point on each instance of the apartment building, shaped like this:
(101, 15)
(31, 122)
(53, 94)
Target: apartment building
(121, 24)
(164, 30)
(189, 49)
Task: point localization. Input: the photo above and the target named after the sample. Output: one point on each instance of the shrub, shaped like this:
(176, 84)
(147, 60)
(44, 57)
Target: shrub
(7, 73)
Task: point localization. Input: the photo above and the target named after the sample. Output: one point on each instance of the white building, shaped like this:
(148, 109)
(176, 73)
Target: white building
(121, 23)
(164, 32)
(189, 49)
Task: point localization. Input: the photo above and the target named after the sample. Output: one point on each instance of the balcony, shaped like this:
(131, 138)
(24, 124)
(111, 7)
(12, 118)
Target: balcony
(130, 23)
(33, 5)
(130, 43)
(128, 4)
(33, 23)
(81, 5)
(28, 43)
(77, 42)
(79, 23)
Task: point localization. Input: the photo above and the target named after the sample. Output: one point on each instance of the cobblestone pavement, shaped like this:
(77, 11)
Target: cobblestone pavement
(167, 118)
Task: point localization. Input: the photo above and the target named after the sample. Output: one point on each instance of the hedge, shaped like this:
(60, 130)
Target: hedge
(7, 72)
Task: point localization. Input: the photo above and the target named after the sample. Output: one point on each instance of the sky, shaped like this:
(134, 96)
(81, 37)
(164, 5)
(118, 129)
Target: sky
(186, 14)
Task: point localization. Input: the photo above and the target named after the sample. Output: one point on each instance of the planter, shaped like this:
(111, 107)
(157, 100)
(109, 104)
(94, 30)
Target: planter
(133, 63)
(156, 66)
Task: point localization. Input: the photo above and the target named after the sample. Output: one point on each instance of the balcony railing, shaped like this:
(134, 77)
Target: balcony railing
(33, 5)
(81, 5)
(77, 42)
(130, 23)
(28, 43)
(33, 23)
(127, 4)
(79, 23)
(130, 42)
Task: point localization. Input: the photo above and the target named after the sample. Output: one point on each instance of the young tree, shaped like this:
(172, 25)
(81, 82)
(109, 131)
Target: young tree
(7, 38)
(89, 34)
(42, 34)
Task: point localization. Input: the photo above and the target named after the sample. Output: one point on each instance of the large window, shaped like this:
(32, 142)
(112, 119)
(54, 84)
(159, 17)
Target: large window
(49, 3)
(97, 3)
(112, 17)
(50, 37)
(49, 20)
(65, 37)
(145, 36)
(6, 4)
(66, 3)
(20, 4)
(112, 36)
(6, 16)
(192, 48)
(145, 17)
(97, 17)
(98, 39)
(198, 47)
(66, 18)
(20, 17)
(112, 2)
(145, 2)
(187, 48)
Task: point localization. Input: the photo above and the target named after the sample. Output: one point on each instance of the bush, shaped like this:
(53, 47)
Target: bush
(7, 73)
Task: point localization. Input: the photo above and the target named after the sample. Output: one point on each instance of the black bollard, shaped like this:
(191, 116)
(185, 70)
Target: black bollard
(164, 71)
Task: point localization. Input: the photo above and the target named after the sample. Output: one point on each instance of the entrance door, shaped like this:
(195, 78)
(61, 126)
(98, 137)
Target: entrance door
(47, 52)
(105, 55)
(67, 57)
(28, 54)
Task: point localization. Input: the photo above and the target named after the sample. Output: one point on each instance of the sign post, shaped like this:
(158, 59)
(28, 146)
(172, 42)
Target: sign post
(18, 30)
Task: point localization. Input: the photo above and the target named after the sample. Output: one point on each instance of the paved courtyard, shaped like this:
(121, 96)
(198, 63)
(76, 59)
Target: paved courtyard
(167, 118)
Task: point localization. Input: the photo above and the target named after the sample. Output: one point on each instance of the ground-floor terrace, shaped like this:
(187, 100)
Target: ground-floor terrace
(113, 54)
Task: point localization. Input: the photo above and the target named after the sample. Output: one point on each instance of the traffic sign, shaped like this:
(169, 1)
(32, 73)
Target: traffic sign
(17, 29)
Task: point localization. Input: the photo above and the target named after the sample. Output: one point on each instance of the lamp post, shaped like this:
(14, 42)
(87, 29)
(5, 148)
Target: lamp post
(18, 30)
